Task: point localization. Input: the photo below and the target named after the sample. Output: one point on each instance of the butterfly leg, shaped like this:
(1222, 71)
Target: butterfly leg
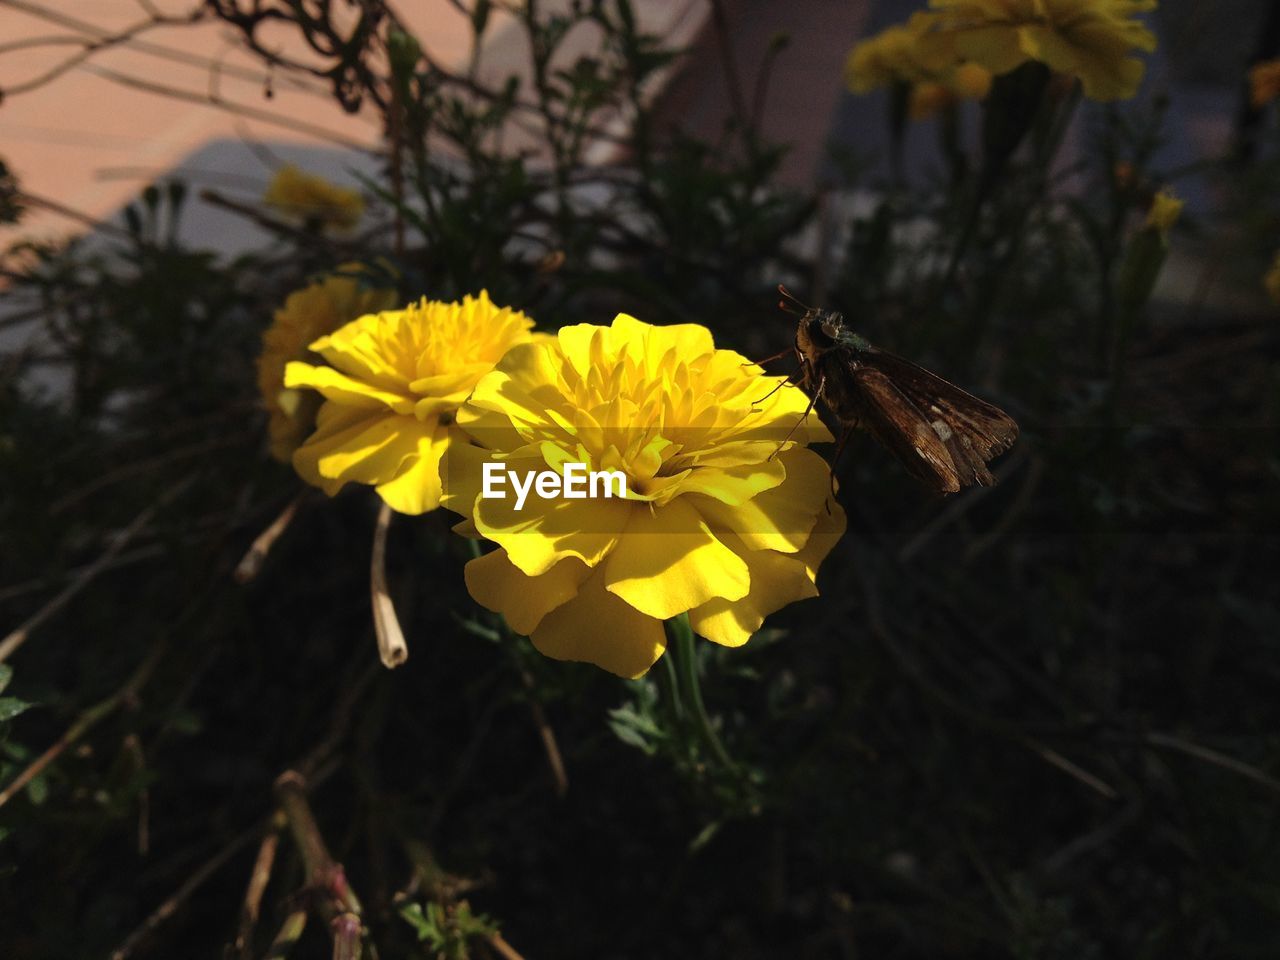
(835, 460)
(805, 416)
(777, 356)
(787, 380)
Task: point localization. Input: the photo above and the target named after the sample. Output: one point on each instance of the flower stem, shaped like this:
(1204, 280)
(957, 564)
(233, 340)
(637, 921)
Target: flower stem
(686, 664)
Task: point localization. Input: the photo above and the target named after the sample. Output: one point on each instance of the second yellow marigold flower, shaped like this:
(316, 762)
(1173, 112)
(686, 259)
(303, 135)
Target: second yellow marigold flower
(394, 384)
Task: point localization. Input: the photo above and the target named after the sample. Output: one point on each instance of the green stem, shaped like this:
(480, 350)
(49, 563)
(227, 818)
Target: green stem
(672, 684)
(686, 666)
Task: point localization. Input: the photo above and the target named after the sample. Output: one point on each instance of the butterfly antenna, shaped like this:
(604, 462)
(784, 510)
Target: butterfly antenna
(804, 307)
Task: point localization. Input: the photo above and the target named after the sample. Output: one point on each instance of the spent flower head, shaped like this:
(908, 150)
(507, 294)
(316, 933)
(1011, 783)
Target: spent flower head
(394, 383)
(723, 517)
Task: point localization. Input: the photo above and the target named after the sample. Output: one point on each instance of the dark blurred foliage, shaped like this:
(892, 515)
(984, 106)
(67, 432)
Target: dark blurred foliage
(1036, 721)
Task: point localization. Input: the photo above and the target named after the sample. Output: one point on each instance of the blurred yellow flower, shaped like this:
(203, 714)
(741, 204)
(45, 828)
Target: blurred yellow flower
(308, 313)
(899, 54)
(312, 199)
(967, 81)
(924, 60)
(391, 393)
(1164, 212)
(720, 519)
(1272, 279)
(1087, 39)
(1264, 82)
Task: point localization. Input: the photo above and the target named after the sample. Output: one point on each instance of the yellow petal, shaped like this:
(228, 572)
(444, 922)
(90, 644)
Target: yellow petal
(776, 580)
(499, 585)
(416, 487)
(546, 531)
(340, 388)
(577, 343)
(359, 349)
(1103, 70)
(357, 447)
(462, 474)
(687, 339)
(998, 47)
(780, 518)
(598, 627)
(828, 528)
(520, 389)
(733, 486)
(670, 562)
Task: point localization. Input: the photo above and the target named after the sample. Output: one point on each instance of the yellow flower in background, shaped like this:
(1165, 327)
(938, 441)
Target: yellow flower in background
(313, 199)
(1264, 82)
(1272, 279)
(924, 60)
(967, 81)
(311, 312)
(898, 54)
(720, 518)
(1164, 213)
(1088, 39)
(391, 393)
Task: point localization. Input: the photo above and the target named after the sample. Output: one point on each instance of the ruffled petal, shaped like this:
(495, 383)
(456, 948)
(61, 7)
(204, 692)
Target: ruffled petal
(416, 487)
(732, 486)
(544, 532)
(997, 47)
(598, 627)
(777, 579)
(499, 585)
(782, 517)
(357, 446)
(340, 388)
(670, 562)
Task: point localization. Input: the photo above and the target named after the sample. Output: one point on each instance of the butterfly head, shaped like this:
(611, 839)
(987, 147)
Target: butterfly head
(819, 331)
(816, 330)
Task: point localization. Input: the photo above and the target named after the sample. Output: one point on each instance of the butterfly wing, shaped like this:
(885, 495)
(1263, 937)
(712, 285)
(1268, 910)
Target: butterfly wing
(980, 429)
(899, 424)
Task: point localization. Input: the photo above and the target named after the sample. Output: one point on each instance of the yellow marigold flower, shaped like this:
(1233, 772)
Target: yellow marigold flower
(1164, 212)
(924, 60)
(1087, 39)
(391, 393)
(899, 54)
(311, 312)
(968, 81)
(313, 199)
(1272, 279)
(1264, 82)
(718, 520)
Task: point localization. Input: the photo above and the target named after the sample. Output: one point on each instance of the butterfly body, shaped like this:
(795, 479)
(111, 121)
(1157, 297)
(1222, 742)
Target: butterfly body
(943, 435)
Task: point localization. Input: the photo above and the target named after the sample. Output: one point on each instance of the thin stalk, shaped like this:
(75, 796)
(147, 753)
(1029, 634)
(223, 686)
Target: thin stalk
(686, 667)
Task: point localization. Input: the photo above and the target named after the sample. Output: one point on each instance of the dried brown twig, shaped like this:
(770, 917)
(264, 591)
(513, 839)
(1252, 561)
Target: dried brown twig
(335, 901)
(392, 648)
